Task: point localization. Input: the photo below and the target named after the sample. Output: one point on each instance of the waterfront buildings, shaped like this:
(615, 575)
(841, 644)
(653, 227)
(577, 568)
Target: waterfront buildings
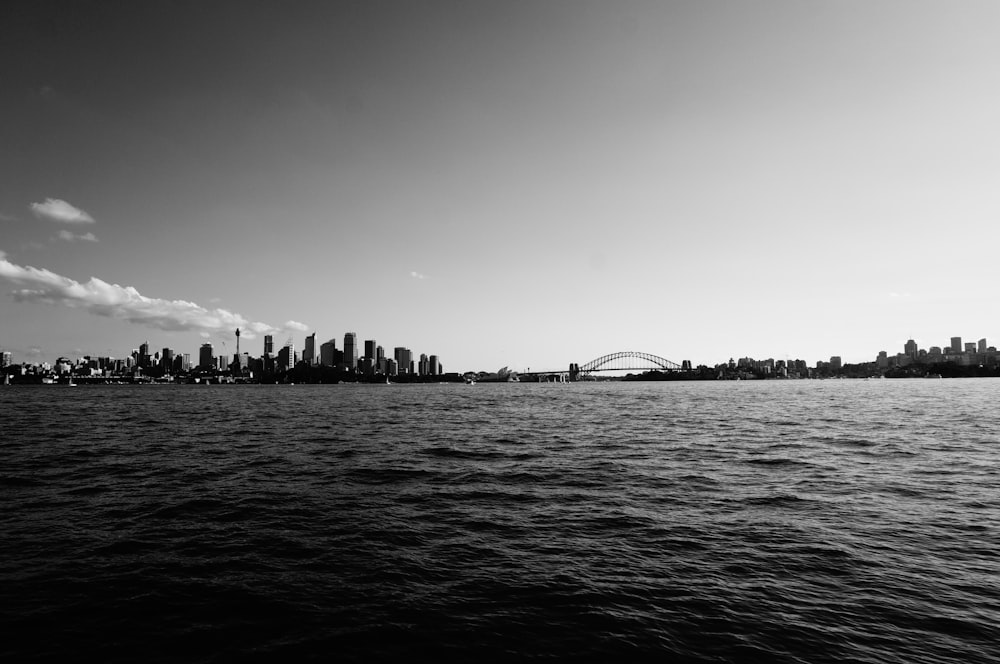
(968, 354)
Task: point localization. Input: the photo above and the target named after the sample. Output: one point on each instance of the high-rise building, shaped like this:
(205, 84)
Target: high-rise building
(434, 365)
(982, 345)
(910, 349)
(379, 354)
(423, 367)
(404, 358)
(836, 363)
(5, 359)
(327, 352)
(309, 352)
(286, 358)
(268, 345)
(351, 350)
(370, 347)
(167, 360)
(206, 358)
(970, 347)
(956, 344)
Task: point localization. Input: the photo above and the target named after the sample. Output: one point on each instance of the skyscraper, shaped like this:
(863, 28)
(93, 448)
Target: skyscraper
(309, 352)
(404, 358)
(327, 353)
(351, 350)
(286, 357)
(982, 345)
(370, 347)
(911, 349)
(434, 365)
(956, 344)
(206, 358)
(268, 345)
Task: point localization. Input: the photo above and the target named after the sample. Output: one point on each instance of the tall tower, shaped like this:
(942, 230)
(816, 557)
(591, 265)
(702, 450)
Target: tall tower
(309, 352)
(205, 356)
(237, 342)
(268, 345)
(351, 350)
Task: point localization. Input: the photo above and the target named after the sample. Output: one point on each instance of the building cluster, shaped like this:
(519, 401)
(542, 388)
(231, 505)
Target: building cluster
(367, 361)
(747, 367)
(966, 355)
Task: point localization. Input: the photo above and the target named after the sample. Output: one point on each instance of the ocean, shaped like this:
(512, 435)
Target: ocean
(771, 521)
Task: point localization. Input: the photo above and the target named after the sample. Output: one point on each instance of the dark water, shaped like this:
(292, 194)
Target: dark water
(797, 521)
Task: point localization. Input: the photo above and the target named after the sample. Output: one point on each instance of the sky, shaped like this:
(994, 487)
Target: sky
(500, 183)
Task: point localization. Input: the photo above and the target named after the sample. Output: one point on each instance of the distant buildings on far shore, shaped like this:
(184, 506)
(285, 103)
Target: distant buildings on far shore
(370, 361)
(166, 363)
(955, 352)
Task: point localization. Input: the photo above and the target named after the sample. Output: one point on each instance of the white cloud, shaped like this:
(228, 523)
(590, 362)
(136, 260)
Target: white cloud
(295, 325)
(55, 209)
(125, 303)
(72, 237)
(417, 275)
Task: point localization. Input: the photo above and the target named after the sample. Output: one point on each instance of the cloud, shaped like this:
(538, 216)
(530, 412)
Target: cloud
(54, 209)
(417, 275)
(295, 325)
(7, 217)
(72, 237)
(125, 303)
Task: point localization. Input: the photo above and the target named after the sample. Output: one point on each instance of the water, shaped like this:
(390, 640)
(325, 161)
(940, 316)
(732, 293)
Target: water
(795, 521)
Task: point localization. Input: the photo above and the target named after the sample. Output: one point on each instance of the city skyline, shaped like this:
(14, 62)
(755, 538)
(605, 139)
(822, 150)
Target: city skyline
(956, 350)
(524, 185)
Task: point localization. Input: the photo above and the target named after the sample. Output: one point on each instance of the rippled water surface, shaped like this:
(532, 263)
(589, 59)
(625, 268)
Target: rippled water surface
(795, 521)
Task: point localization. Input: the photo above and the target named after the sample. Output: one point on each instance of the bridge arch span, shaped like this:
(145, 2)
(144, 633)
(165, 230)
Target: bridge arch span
(629, 361)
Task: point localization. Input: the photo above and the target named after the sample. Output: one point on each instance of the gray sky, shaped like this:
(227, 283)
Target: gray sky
(500, 183)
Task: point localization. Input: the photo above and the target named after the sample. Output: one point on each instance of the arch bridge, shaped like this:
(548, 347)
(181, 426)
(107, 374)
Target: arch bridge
(624, 361)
